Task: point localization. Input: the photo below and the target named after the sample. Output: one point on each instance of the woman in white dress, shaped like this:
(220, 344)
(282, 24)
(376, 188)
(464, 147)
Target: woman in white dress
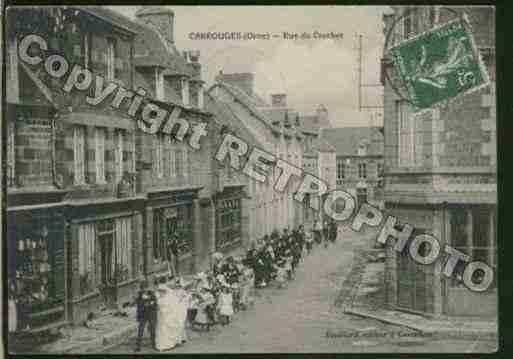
(168, 331)
(184, 300)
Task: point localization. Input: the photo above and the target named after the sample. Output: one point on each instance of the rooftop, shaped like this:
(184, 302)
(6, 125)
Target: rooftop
(346, 140)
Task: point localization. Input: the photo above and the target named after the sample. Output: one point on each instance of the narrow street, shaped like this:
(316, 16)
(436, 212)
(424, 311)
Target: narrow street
(297, 318)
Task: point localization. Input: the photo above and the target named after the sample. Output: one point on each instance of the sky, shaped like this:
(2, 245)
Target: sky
(310, 72)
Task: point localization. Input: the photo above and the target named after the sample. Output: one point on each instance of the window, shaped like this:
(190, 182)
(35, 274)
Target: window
(433, 15)
(159, 84)
(120, 134)
(106, 254)
(79, 154)
(408, 136)
(171, 156)
(86, 46)
(87, 257)
(200, 96)
(341, 170)
(407, 23)
(381, 170)
(362, 149)
(181, 164)
(11, 154)
(172, 223)
(229, 222)
(124, 249)
(185, 91)
(362, 170)
(111, 59)
(100, 154)
(158, 162)
(472, 232)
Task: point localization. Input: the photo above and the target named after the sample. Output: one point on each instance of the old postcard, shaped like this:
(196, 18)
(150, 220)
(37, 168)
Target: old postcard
(250, 179)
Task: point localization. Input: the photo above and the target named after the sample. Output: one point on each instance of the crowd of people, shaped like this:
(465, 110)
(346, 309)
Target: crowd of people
(167, 306)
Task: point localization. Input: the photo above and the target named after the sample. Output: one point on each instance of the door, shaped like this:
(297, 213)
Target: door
(108, 260)
(414, 290)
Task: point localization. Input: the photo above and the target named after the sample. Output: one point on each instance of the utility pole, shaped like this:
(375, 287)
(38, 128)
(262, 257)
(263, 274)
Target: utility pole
(361, 85)
(360, 72)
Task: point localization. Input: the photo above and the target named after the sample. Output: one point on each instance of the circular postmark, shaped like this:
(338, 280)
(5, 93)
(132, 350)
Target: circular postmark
(409, 22)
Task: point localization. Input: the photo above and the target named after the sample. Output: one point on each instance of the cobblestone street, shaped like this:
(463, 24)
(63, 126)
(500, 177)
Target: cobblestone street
(298, 318)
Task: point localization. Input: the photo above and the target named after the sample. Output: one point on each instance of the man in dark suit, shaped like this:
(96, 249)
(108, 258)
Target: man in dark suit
(146, 302)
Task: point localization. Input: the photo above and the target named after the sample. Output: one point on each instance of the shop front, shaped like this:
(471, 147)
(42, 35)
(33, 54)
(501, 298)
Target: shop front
(106, 254)
(172, 221)
(229, 234)
(37, 266)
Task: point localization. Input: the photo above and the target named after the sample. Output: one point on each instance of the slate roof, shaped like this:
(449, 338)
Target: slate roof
(225, 116)
(151, 49)
(347, 139)
(247, 101)
(111, 16)
(313, 123)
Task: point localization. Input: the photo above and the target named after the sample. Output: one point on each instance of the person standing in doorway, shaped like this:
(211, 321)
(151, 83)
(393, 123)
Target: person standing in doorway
(172, 255)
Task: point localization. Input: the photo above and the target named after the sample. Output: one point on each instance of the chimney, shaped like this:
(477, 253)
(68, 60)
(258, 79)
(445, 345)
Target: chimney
(243, 81)
(192, 58)
(322, 116)
(163, 19)
(279, 100)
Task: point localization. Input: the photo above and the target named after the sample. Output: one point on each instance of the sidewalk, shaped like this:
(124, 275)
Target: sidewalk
(105, 331)
(364, 296)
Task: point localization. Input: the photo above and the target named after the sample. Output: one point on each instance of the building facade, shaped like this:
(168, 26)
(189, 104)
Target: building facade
(92, 200)
(360, 162)
(319, 157)
(246, 115)
(440, 175)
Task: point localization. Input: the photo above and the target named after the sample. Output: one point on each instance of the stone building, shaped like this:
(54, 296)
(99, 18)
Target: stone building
(441, 176)
(359, 161)
(319, 156)
(175, 177)
(233, 100)
(91, 199)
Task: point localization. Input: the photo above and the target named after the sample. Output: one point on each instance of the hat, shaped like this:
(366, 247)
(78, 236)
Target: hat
(200, 275)
(162, 288)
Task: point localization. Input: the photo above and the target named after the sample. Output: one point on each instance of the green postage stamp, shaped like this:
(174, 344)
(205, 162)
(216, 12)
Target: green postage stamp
(439, 65)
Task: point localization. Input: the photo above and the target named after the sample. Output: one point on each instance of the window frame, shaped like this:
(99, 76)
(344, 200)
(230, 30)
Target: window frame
(111, 59)
(11, 153)
(79, 153)
(159, 84)
(99, 155)
(119, 145)
(406, 135)
(229, 215)
(362, 170)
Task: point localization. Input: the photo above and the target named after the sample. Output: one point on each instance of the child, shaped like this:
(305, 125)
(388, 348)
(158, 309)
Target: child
(288, 264)
(225, 305)
(205, 299)
(281, 273)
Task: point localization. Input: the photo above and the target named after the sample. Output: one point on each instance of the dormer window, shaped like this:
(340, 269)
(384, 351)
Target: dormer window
(362, 149)
(159, 84)
(185, 91)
